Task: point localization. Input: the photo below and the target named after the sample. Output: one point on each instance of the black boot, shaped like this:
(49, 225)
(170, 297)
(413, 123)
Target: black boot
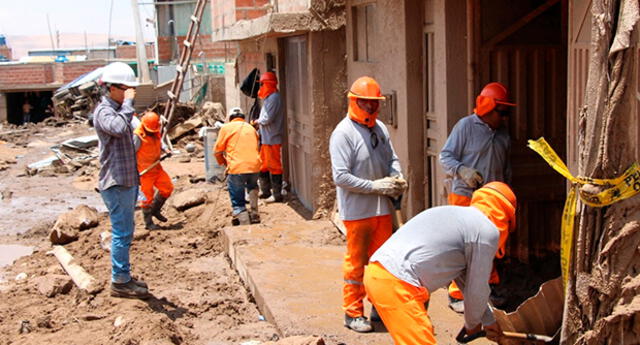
(156, 207)
(265, 185)
(276, 187)
(147, 213)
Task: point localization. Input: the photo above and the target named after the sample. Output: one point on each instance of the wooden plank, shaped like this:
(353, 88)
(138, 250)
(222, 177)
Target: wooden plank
(80, 277)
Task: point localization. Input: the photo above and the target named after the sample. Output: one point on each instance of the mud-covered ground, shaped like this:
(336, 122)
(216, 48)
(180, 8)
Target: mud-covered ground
(197, 296)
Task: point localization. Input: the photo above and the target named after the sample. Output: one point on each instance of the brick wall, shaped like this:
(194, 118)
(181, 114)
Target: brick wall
(129, 52)
(211, 50)
(25, 74)
(45, 73)
(72, 70)
(225, 13)
(6, 52)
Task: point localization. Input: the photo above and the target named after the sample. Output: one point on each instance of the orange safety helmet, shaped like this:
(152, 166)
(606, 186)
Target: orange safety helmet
(268, 77)
(491, 95)
(151, 122)
(363, 88)
(498, 202)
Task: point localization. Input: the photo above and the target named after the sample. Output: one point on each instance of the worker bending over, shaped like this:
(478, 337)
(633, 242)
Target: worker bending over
(477, 152)
(367, 173)
(435, 247)
(148, 143)
(237, 148)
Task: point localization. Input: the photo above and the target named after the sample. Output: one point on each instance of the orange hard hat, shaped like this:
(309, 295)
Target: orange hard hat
(363, 88)
(268, 77)
(491, 95)
(498, 202)
(151, 122)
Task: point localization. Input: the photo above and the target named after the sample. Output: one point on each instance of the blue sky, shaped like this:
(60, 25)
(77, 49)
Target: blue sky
(29, 17)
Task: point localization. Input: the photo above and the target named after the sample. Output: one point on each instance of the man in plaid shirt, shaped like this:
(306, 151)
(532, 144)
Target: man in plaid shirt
(119, 180)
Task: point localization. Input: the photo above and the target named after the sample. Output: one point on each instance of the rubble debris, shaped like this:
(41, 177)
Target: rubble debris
(105, 240)
(25, 327)
(92, 317)
(184, 159)
(67, 226)
(119, 321)
(78, 98)
(44, 322)
(297, 340)
(190, 147)
(21, 276)
(80, 277)
(189, 198)
(53, 284)
(42, 164)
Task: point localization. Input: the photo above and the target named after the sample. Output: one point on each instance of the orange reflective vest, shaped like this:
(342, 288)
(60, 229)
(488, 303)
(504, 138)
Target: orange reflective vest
(237, 147)
(150, 148)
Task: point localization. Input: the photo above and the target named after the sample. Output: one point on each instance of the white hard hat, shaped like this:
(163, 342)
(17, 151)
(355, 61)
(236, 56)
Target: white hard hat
(119, 73)
(236, 110)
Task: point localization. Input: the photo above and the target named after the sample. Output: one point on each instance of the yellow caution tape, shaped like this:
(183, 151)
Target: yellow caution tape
(620, 188)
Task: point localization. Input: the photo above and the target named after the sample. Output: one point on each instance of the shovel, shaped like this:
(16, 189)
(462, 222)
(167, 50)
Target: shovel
(163, 157)
(527, 336)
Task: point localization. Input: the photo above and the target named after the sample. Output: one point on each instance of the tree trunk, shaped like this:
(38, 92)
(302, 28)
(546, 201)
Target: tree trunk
(603, 292)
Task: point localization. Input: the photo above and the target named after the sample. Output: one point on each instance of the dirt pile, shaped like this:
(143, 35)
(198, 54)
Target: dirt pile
(197, 297)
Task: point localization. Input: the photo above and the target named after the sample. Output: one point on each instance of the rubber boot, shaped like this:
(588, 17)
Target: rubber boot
(147, 213)
(276, 188)
(243, 218)
(156, 207)
(265, 185)
(254, 216)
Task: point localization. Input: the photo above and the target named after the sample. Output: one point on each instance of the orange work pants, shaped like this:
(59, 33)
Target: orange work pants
(158, 178)
(454, 291)
(400, 305)
(364, 237)
(271, 160)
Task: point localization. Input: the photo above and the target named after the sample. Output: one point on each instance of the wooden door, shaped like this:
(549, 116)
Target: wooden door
(299, 120)
(522, 45)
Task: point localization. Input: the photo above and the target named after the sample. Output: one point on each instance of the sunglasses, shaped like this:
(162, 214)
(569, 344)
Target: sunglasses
(122, 87)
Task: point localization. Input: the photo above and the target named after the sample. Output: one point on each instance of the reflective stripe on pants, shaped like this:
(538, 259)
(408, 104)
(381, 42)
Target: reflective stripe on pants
(364, 237)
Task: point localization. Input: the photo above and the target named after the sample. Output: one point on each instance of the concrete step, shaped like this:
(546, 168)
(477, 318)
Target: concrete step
(294, 271)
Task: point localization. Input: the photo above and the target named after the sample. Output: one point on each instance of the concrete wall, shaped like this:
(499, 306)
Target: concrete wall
(395, 64)
(252, 54)
(328, 73)
(3, 107)
(227, 12)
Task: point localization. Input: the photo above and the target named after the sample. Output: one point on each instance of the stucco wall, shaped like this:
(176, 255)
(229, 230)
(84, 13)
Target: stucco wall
(396, 67)
(328, 105)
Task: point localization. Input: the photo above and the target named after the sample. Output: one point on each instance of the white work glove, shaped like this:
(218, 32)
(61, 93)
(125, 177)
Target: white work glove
(470, 176)
(384, 186)
(401, 186)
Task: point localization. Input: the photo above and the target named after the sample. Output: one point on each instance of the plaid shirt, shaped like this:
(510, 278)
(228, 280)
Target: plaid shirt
(117, 154)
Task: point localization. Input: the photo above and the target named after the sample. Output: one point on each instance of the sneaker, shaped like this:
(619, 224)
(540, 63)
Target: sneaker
(374, 317)
(456, 305)
(359, 324)
(129, 290)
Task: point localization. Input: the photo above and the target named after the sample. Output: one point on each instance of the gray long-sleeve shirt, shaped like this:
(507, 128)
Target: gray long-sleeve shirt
(443, 244)
(474, 144)
(115, 137)
(356, 163)
(271, 120)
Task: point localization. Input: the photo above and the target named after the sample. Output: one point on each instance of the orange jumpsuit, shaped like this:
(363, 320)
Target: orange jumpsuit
(149, 152)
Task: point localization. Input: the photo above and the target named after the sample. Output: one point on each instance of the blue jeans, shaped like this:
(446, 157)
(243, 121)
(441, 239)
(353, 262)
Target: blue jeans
(121, 203)
(237, 184)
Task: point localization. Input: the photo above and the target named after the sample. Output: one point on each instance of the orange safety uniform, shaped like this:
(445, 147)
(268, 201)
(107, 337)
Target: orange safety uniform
(237, 147)
(461, 200)
(364, 237)
(148, 153)
(271, 159)
(401, 306)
